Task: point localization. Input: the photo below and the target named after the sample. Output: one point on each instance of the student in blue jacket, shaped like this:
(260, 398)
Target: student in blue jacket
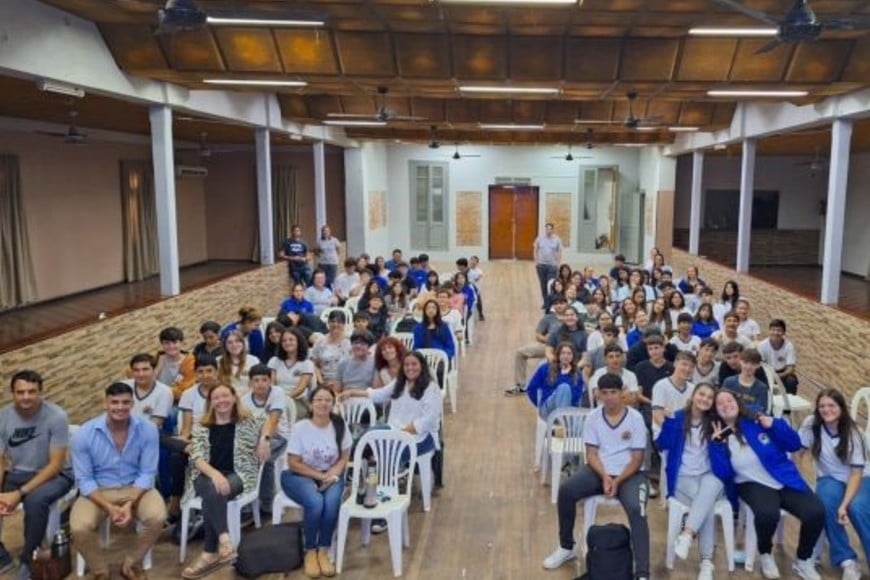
(432, 332)
(557, 383)
(749, 454)
(685, 436)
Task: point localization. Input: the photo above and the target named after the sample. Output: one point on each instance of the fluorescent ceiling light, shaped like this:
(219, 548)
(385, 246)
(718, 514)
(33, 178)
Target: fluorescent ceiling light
(633, 144)
(510, 127)
(754, 93)
(682, 129)
(355, 123)
(526, 2)
(60, 88)
(226, 21)
(255, 82)
(509, 90)
(719, 31)
(648, 129)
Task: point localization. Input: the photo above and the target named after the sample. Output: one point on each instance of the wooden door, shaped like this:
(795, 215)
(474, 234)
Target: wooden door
(525, 221)
(513, 221)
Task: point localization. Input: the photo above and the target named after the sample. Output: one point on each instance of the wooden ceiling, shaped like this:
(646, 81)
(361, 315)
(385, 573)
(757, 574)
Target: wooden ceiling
(594, 52)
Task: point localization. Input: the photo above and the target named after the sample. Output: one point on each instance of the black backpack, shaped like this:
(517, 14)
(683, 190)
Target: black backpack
(608, 553)
(270, 549)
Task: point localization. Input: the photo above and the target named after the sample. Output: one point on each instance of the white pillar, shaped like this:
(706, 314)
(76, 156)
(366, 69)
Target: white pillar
(264, 195)
(744, 218)
(838, 177)
(164, 188)
(319, 185)
(695, 207)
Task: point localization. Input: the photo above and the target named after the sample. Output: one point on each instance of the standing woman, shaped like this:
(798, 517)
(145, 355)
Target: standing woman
(839, 454)
(224, 452)
(685, 436)
(317, 454)
(557, 383)
(750, 455)
(331, 348)
(327, 248)
(291, 369)
(249, 325)
(234, 364)
(389, 353)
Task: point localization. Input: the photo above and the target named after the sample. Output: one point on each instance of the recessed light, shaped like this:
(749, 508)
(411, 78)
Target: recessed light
(756, 93)
(60, 88)
(276, 22)
(682, 129)
(510, 127)
(509, 90)
(355, 123)
(720, 31)
(255, 82)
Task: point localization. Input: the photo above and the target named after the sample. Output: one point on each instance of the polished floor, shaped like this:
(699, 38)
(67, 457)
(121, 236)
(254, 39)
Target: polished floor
(493, 520)
(29, 324)
(807, 281)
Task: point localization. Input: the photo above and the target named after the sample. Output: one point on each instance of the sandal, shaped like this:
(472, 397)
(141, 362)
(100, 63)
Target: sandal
(201, 567)
(227, 553)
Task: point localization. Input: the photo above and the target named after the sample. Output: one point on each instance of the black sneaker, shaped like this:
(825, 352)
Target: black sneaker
(379, 526)
(515, 390)
(7, 562)
(23, 572)
(481, 318)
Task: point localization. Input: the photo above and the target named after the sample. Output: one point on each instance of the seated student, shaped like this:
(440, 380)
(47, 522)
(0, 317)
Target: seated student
(210, 331)
(674, 391)
(311, 327)
(615, 365)
(358, 370)
(649, 372)
(273, 333)
(407, 281)
(749, 453)
(268, 404)
(558, 383)
(331, 348)
(731, 363)
(728, 333)
(372, 290)
(106, 491)
(34, 436)
(378, 317)
(397, 301)
(596, 359)
(691, 283)
(705, 296)
(639, 353)
(151, 398)
(685, 436)
(754, 393)
(346, 281)
(615, 440)
(842, 479)
(175, 367)
(226, 447)
(683, 338)
(297, 301)
(635, 335)
(431, 332)
(618, 265)
(747, 327)
(706, 365)
(320, 296)
(777, 351)
(234, 364)
(362, 320)
(365, 278)
(292, 370)
(594, 339)
(393, 263)
(449, 315)
(660, 317)
(570, 331)
(248, 325)
(676, 306)
(389, 353)
(705, 324)
(547, 325)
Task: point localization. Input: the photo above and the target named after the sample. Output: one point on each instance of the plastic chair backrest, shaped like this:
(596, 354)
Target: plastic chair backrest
(406, 338)
(353, 410)
(774, 387)
(348, 317)
(573, 420)
(290, 409)
(861, 397)
(387, 447)
(434, 357)
(352, 303)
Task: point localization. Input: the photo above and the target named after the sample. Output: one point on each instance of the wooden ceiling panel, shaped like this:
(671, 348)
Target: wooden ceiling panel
(469, 14)
(598, 31)
(194, 50)
(645, 59)
(657, 31)
(366, 54)
(678, 5)
(523, 17)
(480, 57)
(306, 51)
(319, 106)
(462, 111)
(535, 58)
(696, 114)
(433, 110)
(858, 67)
(592, 59)
(530, 112)
(248, 49)
(405, 12)
(667, 112)
(134, 46)
(615, 5)
(561, 112)
(422, 55)
(294, 107)
(722, 114)
(766, 67)
(706, 59)
(495, 111)
(422, 27)
(596, 111)
(818, 62)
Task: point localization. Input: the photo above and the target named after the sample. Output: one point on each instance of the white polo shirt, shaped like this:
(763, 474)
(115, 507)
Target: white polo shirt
(275, 402)
(828, 464)
(777, 358)
(157, 403)
(667, 395)
(615, 442)
(629, 380)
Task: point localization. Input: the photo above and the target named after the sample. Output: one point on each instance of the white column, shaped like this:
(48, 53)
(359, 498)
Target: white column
(838, 177)
(319, 185)
(695, 207)
(264, 195)
(744, 218)
(164, 189)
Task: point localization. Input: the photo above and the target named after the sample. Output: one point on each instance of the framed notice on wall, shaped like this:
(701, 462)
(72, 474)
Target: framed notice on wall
(468, 218)
(377, 209)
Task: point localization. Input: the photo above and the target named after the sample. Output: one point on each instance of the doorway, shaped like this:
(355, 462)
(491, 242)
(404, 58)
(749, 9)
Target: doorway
(513, 221)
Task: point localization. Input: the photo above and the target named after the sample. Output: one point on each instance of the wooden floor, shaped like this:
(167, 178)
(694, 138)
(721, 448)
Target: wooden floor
(493, 520)
(25, 325)
(807, 281)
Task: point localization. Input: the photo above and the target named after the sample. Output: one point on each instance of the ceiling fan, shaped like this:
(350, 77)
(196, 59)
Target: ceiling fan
(433, 140)
(382, 113)
(570, 156)
(72, 136)
(800, 23)
(456, 156)
(587, 143)
(633, 122)
(817, 164)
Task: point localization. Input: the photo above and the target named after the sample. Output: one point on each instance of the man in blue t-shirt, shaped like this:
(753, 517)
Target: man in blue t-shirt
(295, 252)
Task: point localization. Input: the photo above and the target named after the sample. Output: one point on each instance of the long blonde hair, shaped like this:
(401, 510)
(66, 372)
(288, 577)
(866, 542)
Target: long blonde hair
(239, 413)
(225, 365)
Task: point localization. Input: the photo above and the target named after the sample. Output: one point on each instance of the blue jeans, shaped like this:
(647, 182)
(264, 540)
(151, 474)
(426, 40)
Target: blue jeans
(319, 508)
(545, 273)
(36, 505)
(561, 397)
(831, 491)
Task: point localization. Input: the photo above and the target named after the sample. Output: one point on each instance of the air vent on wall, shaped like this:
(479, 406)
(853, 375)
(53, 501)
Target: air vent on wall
(513, 180)
(187, 171)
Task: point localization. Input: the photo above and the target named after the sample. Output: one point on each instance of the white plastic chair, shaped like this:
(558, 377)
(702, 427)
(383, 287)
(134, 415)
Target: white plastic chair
(354, 409)
(721, 510)
(557, 449)
(540, 441)
(406, 338)
(352, 303)
(348, 317)
(780, 400)
(590, 510)
(859, 399)
(750, 540)
(234, 515)
(387, 448)
(436, 357)
(105, 532)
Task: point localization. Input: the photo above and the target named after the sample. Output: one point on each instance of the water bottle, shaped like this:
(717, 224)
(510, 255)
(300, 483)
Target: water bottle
(60, 545)
(361, 487)
(371, 497)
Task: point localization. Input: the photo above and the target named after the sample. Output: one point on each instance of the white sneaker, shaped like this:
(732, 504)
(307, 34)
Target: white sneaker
(806, 569)
(558, 557)
(682, 545)
(768, 566)
(706, 570)
(851, 571)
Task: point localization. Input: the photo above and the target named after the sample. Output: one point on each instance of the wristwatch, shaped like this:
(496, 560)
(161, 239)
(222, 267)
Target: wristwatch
(22, 493)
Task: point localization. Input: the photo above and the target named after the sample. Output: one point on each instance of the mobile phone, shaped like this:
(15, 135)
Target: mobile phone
(726, 432)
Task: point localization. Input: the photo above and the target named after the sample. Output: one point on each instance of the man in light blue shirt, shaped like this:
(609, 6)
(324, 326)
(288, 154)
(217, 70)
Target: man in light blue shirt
(115, 462)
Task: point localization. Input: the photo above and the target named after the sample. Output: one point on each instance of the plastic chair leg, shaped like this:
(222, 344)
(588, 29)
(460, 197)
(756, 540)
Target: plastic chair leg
(343, 521)
(425, 465)
(540, 440)
(185, 522)
(395, 531)
(675, 518)
(727, 517)
(555, 476)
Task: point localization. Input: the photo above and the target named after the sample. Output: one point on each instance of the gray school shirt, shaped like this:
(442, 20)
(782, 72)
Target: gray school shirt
(355, 374)
(28, 442)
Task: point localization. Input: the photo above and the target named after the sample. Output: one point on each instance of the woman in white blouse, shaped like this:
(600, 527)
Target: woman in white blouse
(842, 483)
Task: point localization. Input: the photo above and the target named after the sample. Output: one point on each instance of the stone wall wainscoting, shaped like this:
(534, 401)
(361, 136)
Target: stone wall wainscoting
(832, 346)
(78, 365)
(766, 248)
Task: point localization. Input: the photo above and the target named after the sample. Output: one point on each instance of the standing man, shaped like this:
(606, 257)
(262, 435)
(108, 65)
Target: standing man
(115, 461)
(34, 435)
(548, 256)
(295, 253)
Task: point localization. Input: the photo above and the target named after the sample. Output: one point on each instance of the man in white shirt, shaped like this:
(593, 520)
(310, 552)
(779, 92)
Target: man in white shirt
(729, 333)
(671, 394)
(346, 281)
(615, 438)
(151, 398)
(778, 351)
(614, 357)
